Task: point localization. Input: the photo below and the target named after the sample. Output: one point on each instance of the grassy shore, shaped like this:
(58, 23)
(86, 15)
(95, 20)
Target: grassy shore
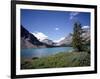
(62, 59)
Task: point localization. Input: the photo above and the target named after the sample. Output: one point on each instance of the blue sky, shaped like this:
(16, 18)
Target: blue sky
(53, 25)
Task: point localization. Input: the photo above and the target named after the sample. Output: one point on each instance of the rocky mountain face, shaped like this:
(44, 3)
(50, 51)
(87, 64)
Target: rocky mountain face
(86, 34)
(47, 41)
(28, 40)
(68, 40)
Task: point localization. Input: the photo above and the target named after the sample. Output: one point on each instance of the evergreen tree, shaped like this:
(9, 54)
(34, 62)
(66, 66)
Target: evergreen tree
(77, 37)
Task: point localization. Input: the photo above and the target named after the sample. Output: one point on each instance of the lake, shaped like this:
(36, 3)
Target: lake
(41, 52)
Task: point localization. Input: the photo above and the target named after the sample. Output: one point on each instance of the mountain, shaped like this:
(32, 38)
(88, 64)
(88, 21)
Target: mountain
(47, 41)
(66, 41)
(28, 40)
(86, 34)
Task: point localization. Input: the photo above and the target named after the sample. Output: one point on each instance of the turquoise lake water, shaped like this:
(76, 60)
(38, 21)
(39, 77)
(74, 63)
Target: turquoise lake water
(41, 52)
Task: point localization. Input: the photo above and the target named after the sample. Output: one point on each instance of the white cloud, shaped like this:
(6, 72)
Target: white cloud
(85, 27)
(62, 38)
(41, 36)
(73, 14)
(56, 28)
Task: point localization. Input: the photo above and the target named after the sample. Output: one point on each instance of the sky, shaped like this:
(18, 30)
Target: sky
(53, 25)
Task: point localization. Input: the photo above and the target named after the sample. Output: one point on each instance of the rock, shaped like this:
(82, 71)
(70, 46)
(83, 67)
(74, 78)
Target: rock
(28, 40)
(47, 41)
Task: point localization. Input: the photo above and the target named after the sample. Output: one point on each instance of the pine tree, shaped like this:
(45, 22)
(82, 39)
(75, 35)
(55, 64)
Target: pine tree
(77, 37)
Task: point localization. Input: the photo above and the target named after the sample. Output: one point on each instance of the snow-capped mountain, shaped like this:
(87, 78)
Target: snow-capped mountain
(66, 41)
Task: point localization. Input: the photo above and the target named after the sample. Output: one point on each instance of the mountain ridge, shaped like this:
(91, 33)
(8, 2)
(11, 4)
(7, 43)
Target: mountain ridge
(28, 40)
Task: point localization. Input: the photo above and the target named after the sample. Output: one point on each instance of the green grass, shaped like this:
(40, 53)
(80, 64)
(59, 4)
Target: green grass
(72, 59)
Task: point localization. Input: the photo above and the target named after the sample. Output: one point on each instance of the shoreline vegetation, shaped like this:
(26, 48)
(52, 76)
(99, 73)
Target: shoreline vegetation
(62, 59)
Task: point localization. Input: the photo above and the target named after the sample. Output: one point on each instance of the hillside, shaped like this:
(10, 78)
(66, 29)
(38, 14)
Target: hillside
(28, 40)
